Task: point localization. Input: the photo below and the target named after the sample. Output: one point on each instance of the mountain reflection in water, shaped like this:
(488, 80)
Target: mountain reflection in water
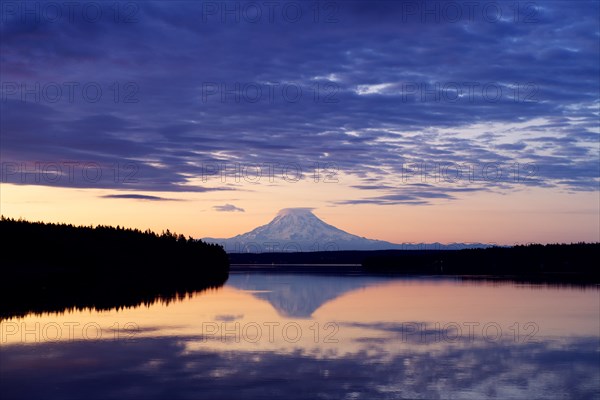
(298, 296)
(395, 338)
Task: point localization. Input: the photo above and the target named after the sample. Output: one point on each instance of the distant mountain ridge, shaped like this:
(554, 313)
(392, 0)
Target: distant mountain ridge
(300, 230)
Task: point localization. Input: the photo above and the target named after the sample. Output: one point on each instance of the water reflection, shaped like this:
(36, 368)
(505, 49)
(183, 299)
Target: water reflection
(298, 296)
(99, 295)
(386, 338)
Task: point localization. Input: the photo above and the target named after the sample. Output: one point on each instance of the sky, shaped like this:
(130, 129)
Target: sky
(405, 121)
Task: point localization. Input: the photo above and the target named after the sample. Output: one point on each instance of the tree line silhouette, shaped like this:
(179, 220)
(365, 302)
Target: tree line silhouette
(53, 267)
(566, 262)
(560, 263)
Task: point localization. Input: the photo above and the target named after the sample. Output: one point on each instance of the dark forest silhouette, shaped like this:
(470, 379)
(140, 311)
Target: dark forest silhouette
(54, 267)
(568, 263)
(575, 261)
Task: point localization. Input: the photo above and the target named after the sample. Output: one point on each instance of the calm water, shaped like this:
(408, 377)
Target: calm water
(291, 336)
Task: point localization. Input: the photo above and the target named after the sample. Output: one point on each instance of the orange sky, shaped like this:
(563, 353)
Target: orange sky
(529, 215)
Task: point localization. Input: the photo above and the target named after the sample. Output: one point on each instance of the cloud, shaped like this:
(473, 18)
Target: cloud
(176, 367)
(137, 197)
(228, 208)
(412, 194)
(228, 317)
(380, 87)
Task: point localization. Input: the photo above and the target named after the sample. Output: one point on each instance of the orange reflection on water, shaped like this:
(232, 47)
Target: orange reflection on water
(349, 314)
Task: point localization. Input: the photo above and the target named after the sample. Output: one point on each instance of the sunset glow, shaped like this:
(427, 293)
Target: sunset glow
(392, 120)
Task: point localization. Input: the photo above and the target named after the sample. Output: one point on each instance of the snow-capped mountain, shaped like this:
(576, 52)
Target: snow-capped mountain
(299, 230)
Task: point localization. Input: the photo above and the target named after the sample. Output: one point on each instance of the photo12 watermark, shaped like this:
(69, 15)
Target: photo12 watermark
(471, 331)
(462, 172)
(466, 92)
(68, 173)
(467, 11)
(70, 92)
(282, 12)
(269, 332)
(269, 172)
(269, 92)
(469, 92)
(37, 332)
(71, 12)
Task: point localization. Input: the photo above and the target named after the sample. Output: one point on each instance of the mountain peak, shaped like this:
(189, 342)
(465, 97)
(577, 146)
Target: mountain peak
(298, 229)
(295, 211)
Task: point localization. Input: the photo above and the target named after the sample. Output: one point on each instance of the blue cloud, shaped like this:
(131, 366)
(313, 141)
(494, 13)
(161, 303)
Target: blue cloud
(136, 197)
(228, 208)
(375, 85)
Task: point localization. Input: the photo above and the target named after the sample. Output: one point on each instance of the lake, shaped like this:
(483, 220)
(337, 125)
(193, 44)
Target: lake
(315, 336)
